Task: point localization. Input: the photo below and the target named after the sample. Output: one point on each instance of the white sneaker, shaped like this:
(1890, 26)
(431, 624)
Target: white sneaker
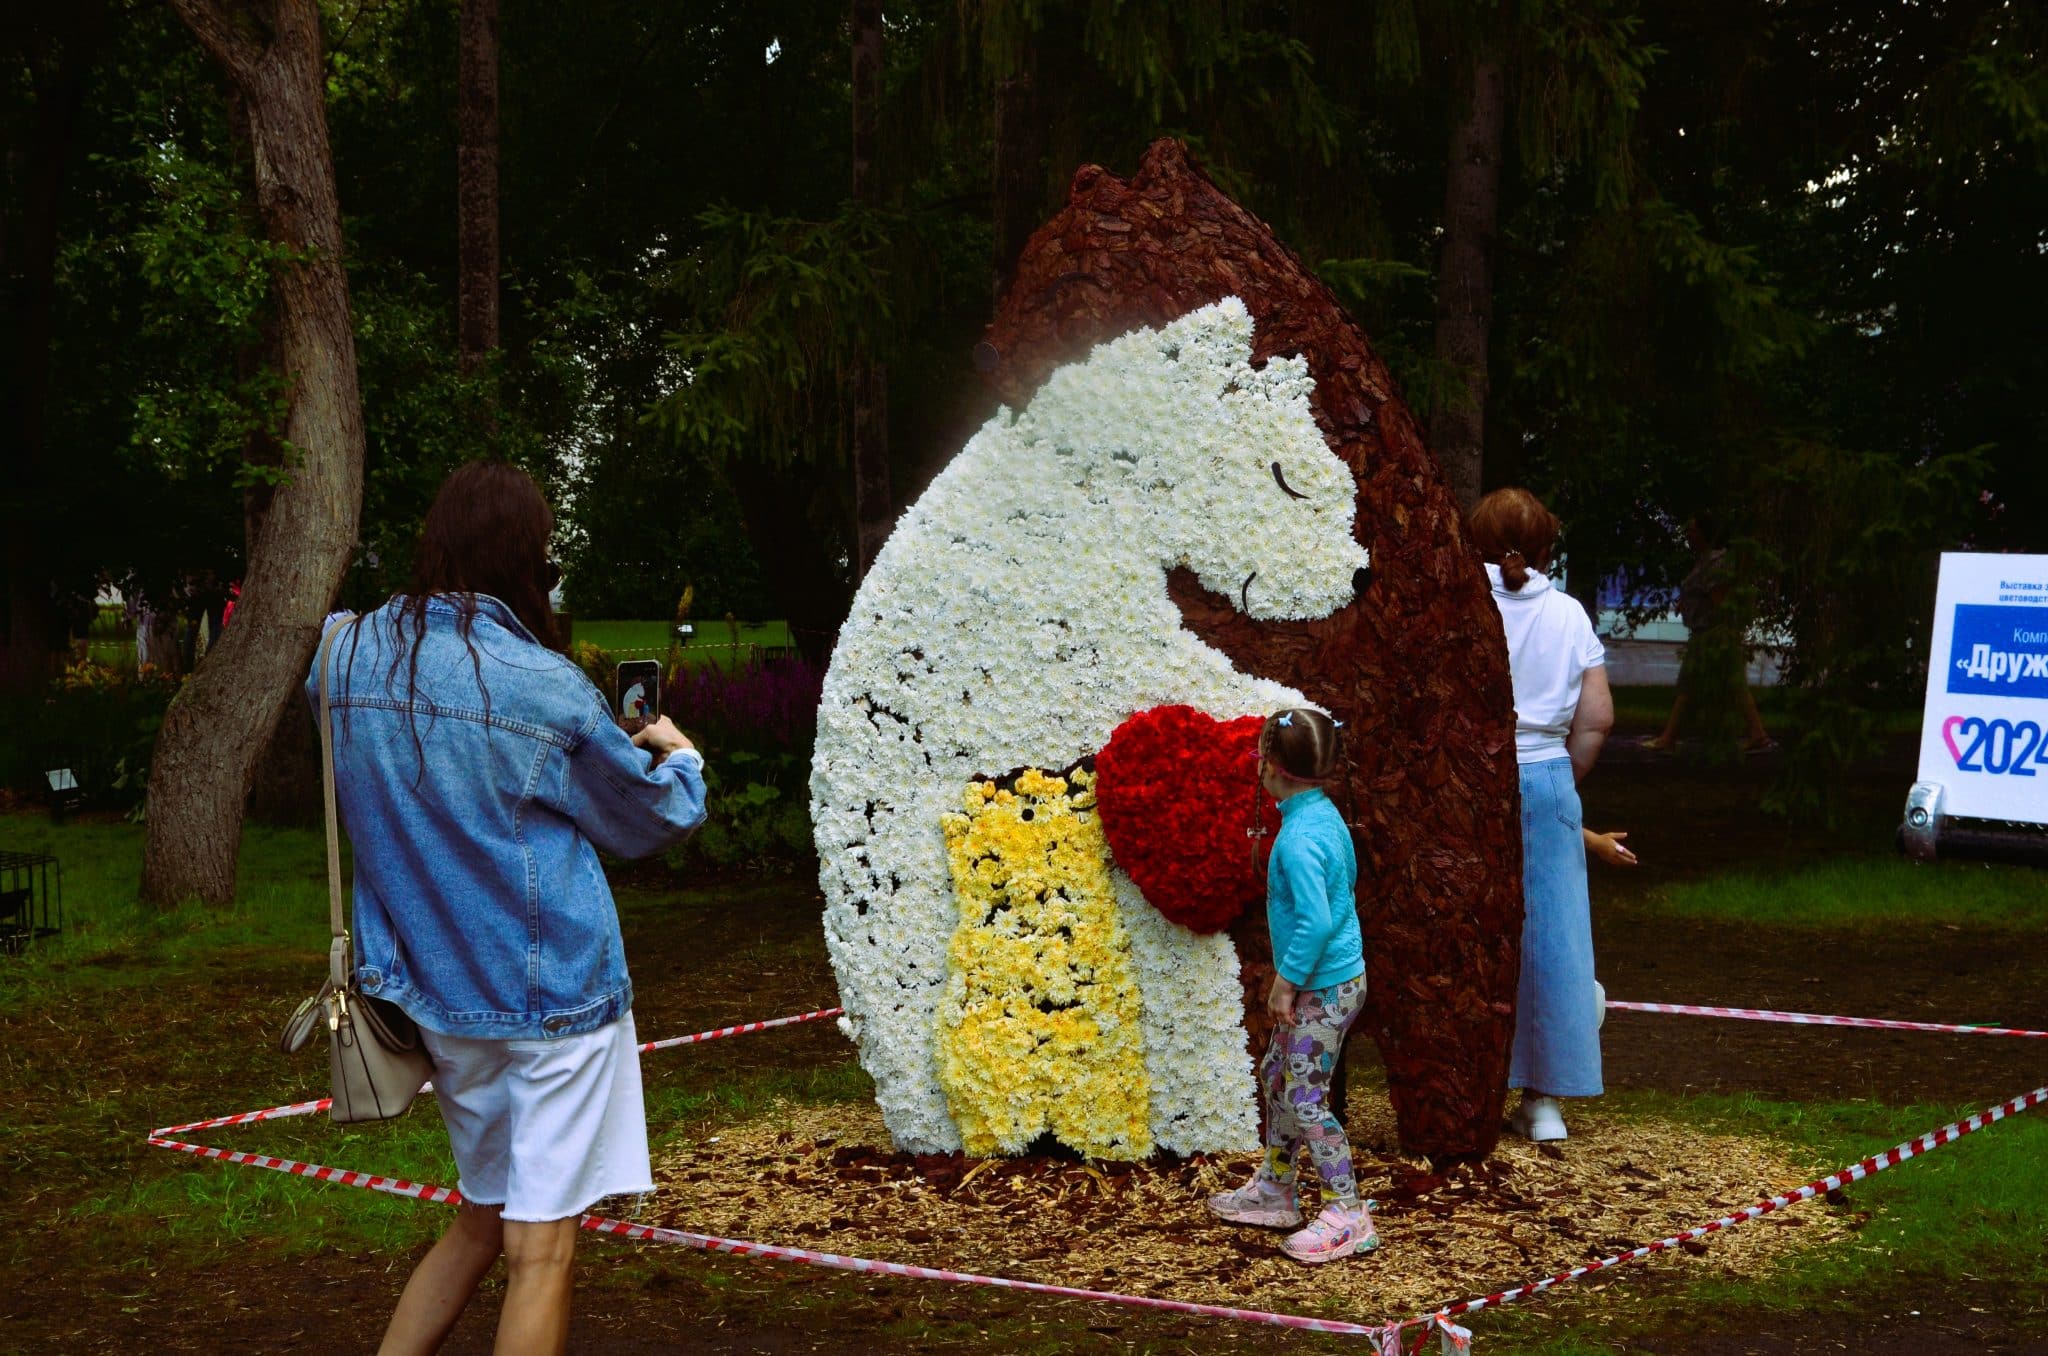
(1538, 1119)
(1261, 1201)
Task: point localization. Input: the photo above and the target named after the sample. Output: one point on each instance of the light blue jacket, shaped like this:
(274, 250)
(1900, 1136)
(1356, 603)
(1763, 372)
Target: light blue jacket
(1311, 895)
(480, 907)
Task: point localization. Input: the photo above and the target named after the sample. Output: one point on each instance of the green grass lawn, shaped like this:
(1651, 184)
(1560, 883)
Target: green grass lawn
(1854, 893)
(1643, 710)
(110, 940)
(1956, 1213)
(713, 644)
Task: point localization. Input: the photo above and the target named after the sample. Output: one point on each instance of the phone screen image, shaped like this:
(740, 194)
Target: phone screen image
(637, 692)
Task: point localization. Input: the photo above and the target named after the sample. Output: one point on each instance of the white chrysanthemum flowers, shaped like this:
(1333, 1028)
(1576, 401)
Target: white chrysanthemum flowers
(1018, 615)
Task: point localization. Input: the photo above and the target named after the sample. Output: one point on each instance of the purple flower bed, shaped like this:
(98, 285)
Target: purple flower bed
(767, 708)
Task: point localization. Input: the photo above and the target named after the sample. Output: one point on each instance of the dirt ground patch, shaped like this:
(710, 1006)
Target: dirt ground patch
(826, 1178)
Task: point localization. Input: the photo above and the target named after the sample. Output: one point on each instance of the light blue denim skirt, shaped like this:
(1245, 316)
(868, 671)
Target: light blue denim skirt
(1557, 1031)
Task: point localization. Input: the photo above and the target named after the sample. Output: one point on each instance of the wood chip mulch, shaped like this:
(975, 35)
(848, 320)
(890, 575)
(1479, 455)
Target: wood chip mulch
(824, 1178)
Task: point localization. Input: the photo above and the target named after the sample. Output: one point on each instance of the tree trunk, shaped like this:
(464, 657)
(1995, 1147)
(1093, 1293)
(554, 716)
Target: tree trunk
(1416, 668)
(1019, 189)
(804, 582)
(218, 726)
(1464, 287)
(31, 634)
(285, 790)
(477, 183)
(870, 379)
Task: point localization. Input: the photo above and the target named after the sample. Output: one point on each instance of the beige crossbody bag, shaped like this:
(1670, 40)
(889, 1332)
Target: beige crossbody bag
(375, 1055)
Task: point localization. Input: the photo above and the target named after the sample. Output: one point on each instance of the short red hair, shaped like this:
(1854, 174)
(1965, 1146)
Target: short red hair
(1514, 531)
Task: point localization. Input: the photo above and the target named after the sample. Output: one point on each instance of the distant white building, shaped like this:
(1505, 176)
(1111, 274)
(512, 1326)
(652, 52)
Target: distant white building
(1648, 655)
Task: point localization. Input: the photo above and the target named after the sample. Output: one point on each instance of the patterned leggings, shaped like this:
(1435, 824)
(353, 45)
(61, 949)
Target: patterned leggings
(1295, 1077)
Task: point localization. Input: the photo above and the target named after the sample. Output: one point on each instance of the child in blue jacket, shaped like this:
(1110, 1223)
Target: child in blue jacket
(1318, 990)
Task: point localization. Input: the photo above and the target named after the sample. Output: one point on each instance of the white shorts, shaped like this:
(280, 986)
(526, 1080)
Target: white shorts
(544, 1128)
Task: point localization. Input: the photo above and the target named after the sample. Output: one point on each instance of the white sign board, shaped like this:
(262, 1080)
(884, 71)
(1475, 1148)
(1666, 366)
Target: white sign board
(1984, 735)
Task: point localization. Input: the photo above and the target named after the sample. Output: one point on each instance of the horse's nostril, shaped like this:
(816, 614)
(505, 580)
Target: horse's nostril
(1361, 578)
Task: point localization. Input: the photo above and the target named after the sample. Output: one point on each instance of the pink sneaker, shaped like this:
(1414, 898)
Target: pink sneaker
(1337, 1232)
(1261, 1201)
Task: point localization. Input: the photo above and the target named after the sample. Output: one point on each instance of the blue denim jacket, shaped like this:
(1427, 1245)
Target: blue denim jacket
(480, 907)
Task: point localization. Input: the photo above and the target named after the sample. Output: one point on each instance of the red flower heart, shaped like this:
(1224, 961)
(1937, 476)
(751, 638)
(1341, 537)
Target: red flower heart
(1179, 796)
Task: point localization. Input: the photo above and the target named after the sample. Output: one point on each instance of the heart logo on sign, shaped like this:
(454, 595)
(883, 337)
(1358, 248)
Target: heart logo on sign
(1186, 818)
(1948, 737)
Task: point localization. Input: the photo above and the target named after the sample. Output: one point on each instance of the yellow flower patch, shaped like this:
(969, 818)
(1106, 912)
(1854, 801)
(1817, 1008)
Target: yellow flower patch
(1039, 1027)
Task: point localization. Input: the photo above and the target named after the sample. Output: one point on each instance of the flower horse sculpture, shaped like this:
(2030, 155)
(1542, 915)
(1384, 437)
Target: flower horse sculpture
(1003, 977)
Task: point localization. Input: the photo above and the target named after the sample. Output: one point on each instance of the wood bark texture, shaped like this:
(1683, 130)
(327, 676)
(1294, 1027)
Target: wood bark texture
(1416, 668)
(870, 384)
(1464, 287)
(218, 726)
(285, 788)
(476, 190)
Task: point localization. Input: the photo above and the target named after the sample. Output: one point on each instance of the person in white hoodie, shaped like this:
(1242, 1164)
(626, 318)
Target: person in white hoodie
(1563, 711)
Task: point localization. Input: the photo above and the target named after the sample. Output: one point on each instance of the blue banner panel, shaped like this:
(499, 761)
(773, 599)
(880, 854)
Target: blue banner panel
(1999, 651)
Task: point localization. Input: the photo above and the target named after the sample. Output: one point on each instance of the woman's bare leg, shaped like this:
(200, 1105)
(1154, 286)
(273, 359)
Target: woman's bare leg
(1668, 737)
(539, 1278)
(1758, 736)
(443, 1282)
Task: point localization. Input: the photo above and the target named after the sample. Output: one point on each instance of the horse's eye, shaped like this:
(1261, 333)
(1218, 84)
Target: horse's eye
(1280, 479)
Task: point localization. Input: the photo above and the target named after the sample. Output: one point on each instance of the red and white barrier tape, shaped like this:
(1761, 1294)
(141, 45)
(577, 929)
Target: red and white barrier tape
(1855, 1172)
(269, 1113)
(312, 1108)
(1817, 1019)
(1385, 1337)
(742, 1029)
(399, 1186)
(369, 1181)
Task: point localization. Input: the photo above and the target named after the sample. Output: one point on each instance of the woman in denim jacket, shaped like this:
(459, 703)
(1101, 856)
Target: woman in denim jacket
(479, 773)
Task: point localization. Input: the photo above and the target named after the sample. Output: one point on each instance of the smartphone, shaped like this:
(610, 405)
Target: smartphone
(636, 693)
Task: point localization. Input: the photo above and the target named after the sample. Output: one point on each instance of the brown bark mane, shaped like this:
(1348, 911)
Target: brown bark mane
(1416, 668)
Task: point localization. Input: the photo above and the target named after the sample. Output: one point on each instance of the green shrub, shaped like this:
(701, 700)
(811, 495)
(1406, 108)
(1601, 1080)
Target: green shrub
(597, 663)
(758, 814)
(95, 720)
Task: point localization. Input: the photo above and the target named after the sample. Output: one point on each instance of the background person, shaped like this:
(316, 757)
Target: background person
(1713, 673)
(1563, 711)
(479, 773)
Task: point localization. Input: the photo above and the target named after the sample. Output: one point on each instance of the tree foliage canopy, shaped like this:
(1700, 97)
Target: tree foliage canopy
(1778, 265)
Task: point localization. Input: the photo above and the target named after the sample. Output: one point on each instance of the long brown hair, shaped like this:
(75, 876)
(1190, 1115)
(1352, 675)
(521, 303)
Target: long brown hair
(486, 534)
(1514, 531)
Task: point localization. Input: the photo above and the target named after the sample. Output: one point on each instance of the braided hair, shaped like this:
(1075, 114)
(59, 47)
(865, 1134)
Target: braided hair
(1302, 743)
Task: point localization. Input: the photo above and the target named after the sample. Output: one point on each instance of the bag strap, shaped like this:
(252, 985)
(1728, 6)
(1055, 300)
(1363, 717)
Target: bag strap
(340, 960)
